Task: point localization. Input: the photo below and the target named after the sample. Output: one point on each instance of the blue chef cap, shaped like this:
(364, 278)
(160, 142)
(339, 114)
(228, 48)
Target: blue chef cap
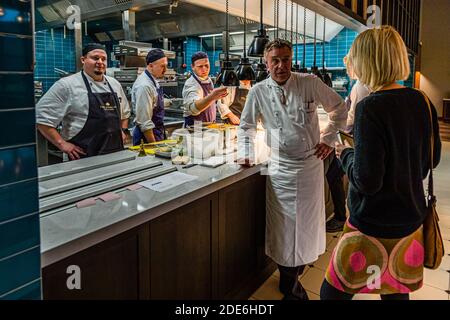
(154, 54)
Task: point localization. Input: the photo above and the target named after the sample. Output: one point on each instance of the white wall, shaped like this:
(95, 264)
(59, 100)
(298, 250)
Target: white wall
(435, 60)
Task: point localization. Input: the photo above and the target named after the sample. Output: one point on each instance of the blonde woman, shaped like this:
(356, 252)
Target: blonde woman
(381, 247)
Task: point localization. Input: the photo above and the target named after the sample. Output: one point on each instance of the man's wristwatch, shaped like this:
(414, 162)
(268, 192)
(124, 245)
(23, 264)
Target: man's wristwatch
(125, 130)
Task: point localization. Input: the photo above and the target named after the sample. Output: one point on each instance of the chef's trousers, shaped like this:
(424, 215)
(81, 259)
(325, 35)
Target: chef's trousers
(289, 284)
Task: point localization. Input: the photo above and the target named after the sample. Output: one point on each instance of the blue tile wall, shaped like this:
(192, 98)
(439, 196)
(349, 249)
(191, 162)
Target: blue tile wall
(15, 53)
(19, 235)
(191, 46)
(31, 291)
(17, 130)
(20, 256)
(53, 50)
(17, 164)
(16, 91)
(20, 270)
(335, 50)
(14, 206)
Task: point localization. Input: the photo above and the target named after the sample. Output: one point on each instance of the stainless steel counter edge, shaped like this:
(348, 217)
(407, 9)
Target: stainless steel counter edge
(50, 255)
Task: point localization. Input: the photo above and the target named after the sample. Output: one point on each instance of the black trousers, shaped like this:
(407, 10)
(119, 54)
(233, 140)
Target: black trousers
(335, 180)
(289, 284)
(328, 292)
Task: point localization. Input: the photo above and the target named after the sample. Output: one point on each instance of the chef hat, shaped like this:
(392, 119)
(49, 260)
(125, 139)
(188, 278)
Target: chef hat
(154, 54)
(92, 46)
(197, 56)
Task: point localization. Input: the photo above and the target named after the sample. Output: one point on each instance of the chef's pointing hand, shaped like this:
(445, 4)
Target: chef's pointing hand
(219, 93)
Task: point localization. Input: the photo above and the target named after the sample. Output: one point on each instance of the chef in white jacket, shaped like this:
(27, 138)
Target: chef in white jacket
(286, 104)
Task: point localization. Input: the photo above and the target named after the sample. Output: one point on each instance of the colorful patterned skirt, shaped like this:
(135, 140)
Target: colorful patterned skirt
(364, 264)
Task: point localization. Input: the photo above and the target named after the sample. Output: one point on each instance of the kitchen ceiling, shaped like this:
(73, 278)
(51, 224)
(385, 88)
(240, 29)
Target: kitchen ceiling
(153, 20)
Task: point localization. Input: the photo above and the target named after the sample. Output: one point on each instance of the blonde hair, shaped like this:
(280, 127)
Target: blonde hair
(349, 67)
(378, 57)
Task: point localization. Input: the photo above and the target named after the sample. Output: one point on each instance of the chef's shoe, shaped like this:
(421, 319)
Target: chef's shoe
(334, 225)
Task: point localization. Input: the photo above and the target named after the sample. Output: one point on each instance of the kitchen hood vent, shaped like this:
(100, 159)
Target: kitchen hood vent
(48, 13)
(169, 27)
(61, 7)
(118, 34)
(102, 37)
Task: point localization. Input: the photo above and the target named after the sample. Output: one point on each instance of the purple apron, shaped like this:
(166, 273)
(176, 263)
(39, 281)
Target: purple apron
(157, 118)
(207, 115)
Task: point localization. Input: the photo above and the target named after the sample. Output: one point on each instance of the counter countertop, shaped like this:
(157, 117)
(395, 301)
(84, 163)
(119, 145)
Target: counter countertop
(68, 230)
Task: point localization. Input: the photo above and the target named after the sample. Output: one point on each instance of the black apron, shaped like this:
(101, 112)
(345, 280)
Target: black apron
(102, 133)
(238, 104)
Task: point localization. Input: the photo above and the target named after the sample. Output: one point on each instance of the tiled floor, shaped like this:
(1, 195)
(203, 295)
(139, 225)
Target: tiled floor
(436, 282)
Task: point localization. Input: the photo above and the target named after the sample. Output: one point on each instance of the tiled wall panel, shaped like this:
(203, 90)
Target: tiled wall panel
(19, 220)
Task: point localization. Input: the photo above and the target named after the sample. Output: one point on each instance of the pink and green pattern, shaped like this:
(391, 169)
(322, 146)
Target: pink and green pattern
(357, 258)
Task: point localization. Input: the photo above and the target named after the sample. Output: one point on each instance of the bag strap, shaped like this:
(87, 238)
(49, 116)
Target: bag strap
(431, 196)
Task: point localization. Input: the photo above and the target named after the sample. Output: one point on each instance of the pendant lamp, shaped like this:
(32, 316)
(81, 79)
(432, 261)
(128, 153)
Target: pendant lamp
(261, 71)
(259, 42)
(227, 77)
(244, 70)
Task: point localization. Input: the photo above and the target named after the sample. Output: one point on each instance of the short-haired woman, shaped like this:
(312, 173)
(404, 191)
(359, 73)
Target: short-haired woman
(381, 247)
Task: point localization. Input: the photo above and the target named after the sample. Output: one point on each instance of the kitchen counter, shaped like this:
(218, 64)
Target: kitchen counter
(69, 230)
(203, 239)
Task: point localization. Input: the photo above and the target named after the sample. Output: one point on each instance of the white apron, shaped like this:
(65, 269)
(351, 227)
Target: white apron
(295, 209)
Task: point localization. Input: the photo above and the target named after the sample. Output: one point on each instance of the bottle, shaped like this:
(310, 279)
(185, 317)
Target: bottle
(142, 152)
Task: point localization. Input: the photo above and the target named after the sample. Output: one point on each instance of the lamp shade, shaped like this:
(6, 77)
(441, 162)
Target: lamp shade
(261, 72)
(245, 71)
(256, 48)
(227, 77)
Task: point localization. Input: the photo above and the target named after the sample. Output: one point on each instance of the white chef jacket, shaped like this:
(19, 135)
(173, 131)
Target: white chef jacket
(192, 91)
(295, 219)
(144, 98)
(67, 102)
(359, 91)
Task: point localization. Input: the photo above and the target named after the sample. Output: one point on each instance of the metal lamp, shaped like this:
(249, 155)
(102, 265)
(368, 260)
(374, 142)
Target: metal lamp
(244, 70)
(259, 42)
(227, 77)
(261, 71)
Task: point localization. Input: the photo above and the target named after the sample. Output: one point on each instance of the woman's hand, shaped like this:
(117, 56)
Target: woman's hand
(341, 147)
